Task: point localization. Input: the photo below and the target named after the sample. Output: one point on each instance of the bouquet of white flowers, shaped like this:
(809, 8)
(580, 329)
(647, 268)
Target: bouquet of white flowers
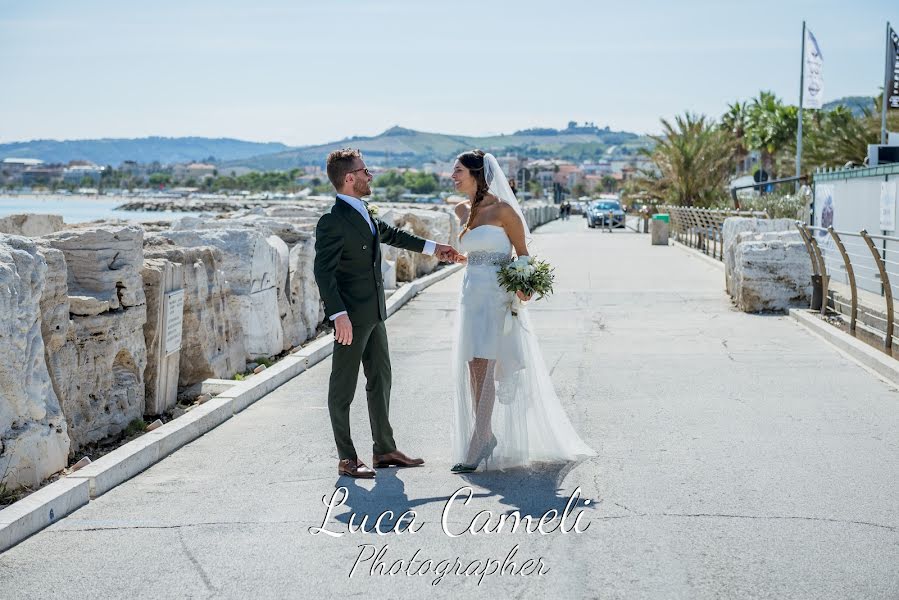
(527, 275)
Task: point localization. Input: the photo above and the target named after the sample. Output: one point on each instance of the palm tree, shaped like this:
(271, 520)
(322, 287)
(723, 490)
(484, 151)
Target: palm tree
(838, 137)
(692, 160)
(734, 122)
(770, 125)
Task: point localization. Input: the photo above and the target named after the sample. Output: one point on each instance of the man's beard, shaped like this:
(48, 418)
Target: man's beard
(361, 190)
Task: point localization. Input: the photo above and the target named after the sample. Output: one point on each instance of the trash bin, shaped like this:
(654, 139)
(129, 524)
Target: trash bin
(659, 229)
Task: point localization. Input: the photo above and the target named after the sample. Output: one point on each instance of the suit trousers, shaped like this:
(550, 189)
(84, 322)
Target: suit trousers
(369, 348)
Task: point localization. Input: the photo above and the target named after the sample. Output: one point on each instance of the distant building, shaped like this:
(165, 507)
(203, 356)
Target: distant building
(600, 167)
(78, 170)
(11, 169)
(17, 165)
(41, 175)
(134, 169)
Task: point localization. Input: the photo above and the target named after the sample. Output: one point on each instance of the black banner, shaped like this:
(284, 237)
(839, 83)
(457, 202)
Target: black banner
(893, 72)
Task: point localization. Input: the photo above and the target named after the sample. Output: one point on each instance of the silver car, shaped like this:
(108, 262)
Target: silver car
(598, 214)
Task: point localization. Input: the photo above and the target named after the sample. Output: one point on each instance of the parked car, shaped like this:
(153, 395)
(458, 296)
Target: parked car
(598, 214)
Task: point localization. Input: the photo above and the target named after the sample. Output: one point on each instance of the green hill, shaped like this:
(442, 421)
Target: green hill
(405, 147)
(857, 104)
(110, 151)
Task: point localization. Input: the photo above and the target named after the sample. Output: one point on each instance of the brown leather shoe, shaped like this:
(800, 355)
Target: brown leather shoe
(395, 459)
(354, 468)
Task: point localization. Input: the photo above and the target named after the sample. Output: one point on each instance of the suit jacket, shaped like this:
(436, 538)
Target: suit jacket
(347, 264)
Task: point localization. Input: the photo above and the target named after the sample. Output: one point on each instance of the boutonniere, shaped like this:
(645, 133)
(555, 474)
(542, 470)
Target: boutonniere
(372, 210)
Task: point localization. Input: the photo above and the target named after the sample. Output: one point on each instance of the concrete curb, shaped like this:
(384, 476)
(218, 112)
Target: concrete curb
(40, 509)
(31, 514)
(871, 358)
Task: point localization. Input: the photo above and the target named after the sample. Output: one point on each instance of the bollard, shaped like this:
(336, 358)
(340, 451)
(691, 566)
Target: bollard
(817, 293)
(659, 232)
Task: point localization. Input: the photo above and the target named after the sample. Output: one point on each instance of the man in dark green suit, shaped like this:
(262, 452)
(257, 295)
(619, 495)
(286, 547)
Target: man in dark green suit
(348, 272)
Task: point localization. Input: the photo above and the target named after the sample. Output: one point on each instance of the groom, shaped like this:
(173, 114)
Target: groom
(348, 272)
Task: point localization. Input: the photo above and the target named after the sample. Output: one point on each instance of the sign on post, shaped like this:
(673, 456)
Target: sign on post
(888, 205)
(174, 318)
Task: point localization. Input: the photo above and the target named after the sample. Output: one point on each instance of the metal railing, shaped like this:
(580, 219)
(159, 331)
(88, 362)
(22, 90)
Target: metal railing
(701, 228)
(638, 221)
(858, 261)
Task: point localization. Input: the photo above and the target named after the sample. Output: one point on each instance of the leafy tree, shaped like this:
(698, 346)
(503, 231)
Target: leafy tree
(159, 179)
(609, 183)
(420, 183)
(394, 192)
(770, 126)
(838, 137)
(579, 190)
(388, 179)
(734, 122)
(692, 160)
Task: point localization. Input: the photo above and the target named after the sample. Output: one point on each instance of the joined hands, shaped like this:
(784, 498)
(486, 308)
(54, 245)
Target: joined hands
(446, 253)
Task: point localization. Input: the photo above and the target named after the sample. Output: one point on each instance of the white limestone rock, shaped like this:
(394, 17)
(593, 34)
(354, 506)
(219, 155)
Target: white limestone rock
(100, 384)
(107, 385)
(303, 294)
(57, 327)
(388, 274)
(34, 440)
(733, 226)
(212, 342)
(104, 265)
(30, 224)
(288, 228)
(427, 224)
(251, 263)
(291, 323)
(772, 271)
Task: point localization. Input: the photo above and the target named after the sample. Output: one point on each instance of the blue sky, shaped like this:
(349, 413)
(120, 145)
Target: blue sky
(309, 72)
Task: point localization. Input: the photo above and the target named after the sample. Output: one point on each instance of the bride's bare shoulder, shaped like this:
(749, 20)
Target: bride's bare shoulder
(462, 209)
(505, 211)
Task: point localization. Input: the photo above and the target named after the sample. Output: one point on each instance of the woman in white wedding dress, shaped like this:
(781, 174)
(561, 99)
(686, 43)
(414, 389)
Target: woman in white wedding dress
(506, 409)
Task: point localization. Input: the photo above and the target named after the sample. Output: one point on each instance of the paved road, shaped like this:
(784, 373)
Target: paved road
(738, 457)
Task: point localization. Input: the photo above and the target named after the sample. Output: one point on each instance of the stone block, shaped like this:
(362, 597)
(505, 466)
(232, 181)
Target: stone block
(34, 438)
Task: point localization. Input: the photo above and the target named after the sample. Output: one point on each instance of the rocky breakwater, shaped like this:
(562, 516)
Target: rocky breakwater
(402, 265)
(268, 257)
(81, 330)
(30, 225)
(251, 262)
(98, 357)
(766, 264)
(212, 342)
(34, 439)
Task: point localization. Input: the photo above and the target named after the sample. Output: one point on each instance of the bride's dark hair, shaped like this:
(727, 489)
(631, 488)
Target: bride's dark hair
(473, 160)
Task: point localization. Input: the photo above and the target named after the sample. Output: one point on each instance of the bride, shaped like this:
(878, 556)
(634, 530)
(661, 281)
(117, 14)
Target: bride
(506, 409)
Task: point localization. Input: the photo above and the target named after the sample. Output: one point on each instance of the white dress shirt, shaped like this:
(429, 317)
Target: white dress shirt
(430, 245)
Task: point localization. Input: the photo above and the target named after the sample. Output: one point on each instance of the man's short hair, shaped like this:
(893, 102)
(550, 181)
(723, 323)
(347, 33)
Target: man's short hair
(340, 162)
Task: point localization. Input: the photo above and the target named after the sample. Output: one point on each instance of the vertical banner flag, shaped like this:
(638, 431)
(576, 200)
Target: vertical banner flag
(892, 91)
(813, 94)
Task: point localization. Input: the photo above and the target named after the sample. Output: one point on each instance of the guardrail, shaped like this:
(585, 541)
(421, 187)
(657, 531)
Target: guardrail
(700, 228)
(858, 260)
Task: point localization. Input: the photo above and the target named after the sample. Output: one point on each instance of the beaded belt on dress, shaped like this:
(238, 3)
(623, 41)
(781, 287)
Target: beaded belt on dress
(488, 258)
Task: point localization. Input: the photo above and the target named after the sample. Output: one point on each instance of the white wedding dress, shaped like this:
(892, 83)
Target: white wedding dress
(528, 420)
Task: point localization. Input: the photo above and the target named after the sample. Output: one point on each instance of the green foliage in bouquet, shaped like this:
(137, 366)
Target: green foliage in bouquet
(528, 275)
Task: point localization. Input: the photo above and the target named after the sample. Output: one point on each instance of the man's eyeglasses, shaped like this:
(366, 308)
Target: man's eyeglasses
(367, 172)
